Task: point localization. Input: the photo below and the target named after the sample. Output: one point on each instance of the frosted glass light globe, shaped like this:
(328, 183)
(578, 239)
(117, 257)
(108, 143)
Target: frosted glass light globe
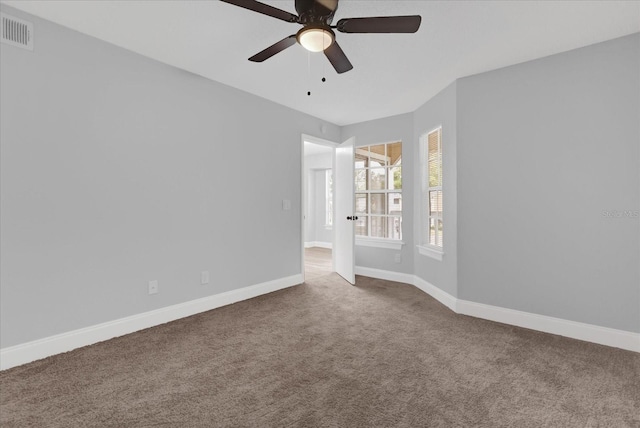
(315, 39)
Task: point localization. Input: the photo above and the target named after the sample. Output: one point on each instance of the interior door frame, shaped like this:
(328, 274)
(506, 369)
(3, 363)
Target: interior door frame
(303, 189)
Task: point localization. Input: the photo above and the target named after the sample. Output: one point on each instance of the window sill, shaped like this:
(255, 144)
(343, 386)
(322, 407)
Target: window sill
(391, 244)
(430, 252)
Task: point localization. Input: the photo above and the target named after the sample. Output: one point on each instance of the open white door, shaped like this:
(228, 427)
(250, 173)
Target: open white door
(343, 228)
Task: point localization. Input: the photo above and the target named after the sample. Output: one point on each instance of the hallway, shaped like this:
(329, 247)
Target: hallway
(317, 262)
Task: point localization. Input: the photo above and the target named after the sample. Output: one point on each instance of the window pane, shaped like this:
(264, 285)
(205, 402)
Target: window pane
(395, 203)
(378, 205)
(361, 226)
(432, 231)
(361, 157)
(329, 197)
(440, 168)
(435, 203)
(439, 233)
(394, 153)
(395, 178)
(434, 171)
(377, 171)
(361, 203)
(378, 227)
(378, 155)
(361, 179)
(377, 178)
(434, 159)
(394, 227)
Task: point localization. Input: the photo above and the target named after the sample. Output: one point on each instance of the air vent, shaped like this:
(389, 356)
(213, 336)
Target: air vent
(16, 32)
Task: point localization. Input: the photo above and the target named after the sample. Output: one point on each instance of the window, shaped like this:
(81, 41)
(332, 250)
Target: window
(432, 189)
(328, 185)
(378, 194)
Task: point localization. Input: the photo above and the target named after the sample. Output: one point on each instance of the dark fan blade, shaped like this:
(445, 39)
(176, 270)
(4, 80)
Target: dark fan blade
(265, 9)
(274, 49)
(337, 58)
(383, 24)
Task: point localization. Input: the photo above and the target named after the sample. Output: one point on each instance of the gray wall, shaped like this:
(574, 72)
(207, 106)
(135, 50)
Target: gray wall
(117, 170)
(439, 111)
(544, 148)
(387, 130)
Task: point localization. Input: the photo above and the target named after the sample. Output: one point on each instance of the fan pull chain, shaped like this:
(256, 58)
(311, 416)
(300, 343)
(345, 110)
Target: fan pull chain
(324, 63)
(309, 71)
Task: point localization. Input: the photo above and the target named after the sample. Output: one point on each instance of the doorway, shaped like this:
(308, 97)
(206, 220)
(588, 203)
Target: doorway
(317, 207)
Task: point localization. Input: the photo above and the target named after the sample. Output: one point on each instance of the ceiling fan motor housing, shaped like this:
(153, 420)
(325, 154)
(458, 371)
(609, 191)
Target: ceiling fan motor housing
(316, 11)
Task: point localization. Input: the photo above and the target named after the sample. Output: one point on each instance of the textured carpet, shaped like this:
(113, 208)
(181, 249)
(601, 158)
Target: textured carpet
(327, 354)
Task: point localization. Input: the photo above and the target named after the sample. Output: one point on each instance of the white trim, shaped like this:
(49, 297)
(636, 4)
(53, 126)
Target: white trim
(318, 244)
(430, 252)
(42, 348)
(317, 140)
(440, 295)
(576, 330)
(391, 244)
(388, 275)
(425, 189)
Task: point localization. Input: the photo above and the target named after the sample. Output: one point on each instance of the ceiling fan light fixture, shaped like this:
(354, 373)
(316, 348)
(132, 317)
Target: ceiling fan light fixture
(315, 39)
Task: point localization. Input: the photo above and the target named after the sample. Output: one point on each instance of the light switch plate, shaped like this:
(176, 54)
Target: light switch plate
(286, 204)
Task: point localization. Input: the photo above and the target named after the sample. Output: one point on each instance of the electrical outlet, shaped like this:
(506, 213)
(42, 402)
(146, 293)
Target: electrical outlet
(204, 277)
(398, 258)
(153, 286)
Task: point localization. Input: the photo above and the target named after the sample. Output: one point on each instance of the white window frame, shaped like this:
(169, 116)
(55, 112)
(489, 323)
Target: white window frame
(377, 242)
(328, 196)
(426, 248)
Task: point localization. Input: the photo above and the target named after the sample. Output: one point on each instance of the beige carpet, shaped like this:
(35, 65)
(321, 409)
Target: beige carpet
(328, 354)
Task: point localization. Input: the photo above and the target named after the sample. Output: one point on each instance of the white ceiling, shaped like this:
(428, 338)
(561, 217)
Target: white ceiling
(392, 74)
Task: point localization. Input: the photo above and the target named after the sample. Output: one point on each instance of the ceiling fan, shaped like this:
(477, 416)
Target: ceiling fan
(317, 33)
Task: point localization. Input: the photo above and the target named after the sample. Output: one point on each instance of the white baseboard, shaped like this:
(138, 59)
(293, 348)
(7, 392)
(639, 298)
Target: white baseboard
(575, 330)
(384, 274)
(318, 244)
(441, 296)
(42, 348)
